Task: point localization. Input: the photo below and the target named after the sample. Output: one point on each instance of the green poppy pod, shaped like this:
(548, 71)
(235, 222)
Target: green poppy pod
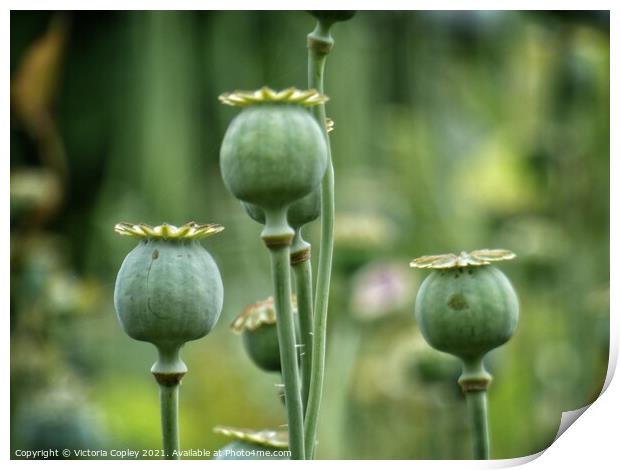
(168, 290)
(302, 212)
(258, 328)
(273, 153)
(466, 307)
(58, 418)
(252, 445)
(333, 16)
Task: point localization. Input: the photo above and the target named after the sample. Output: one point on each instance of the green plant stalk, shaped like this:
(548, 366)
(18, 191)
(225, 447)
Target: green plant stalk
(168, 372)
(319, 45)
(302, 268)
(475, 381)
(169, 396)
(477, 404)
(280, 269)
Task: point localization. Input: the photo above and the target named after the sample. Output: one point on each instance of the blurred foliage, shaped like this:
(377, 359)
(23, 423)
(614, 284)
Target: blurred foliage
(453, 130)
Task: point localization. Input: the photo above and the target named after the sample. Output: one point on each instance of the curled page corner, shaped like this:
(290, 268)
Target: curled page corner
(569, 417)
(515, 462)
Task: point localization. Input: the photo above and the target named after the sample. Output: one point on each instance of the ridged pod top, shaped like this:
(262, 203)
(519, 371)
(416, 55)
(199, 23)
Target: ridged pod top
(188, 231)
(266, 437)
(473, 258)
(258, 314)
(267, 95)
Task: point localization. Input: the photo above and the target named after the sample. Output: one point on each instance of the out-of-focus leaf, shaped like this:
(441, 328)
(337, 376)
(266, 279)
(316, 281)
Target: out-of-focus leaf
(35, 83)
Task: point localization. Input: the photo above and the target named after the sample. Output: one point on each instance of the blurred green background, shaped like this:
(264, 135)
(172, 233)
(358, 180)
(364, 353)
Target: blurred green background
(453, 131)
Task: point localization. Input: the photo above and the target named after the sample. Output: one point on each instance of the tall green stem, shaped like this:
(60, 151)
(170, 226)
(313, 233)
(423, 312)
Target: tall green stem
(475, 381)
(281, 275)
(477, 404)
(302, 267)
(168, 371)
(169, 396)
(319, 45)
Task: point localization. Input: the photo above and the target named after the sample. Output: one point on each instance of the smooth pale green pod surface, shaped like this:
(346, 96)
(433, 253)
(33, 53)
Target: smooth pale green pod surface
(300, 213)
(262, 346)
(272, 155)
(59, 419)
(467, 311)
(241, 450)
(258, 328)
(168, 292)
(433, 367)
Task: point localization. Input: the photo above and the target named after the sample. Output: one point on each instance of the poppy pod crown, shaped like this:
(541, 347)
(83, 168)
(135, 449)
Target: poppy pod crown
(265, 444)
(266, 437)
(188, 231)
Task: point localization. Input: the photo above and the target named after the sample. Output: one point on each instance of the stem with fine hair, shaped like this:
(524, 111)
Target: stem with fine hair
(302, 268)
(319, 45)
(281, 274)
(169, 396)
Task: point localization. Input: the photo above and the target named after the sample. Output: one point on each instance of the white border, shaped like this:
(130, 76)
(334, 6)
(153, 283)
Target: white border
(591, 440)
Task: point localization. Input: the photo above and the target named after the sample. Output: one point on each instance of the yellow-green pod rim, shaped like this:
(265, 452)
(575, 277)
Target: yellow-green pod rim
(265, 437)
(188, 231)
(291, 95)
(473, 258)
(262, 312)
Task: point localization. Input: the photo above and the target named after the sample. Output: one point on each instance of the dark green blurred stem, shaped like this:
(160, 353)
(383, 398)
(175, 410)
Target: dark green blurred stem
(319, 44)
(477, 404)
(335, 440)
(302, 267)
(169, 396)
(281, 274)
(475, 381)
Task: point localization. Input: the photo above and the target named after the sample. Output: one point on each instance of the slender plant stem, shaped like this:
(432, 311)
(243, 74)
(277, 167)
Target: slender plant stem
(319, 44)
(169, 396)
(477, 404)
(168, 372)
(475, 381)
(303, 287)
(281, 274)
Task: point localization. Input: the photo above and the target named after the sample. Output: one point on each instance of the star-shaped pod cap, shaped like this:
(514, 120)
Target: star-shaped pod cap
(258, 314)
(188, 231)
(473, 258)
(265, 437)
(267, 95)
